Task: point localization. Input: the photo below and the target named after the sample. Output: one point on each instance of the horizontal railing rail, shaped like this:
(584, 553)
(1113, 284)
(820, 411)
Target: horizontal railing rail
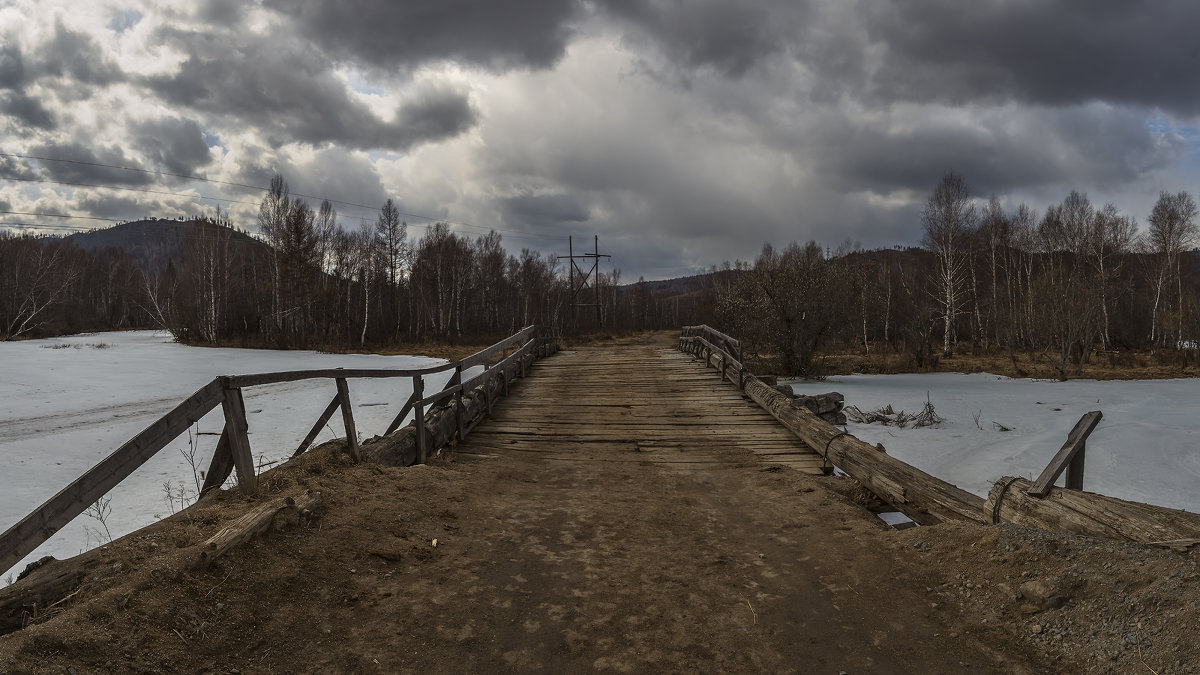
(233, 448)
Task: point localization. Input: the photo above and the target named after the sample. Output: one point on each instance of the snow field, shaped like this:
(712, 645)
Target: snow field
(66, 403)
(1145, 449)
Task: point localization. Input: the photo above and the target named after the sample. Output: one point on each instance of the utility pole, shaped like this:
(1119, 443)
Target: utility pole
(593, 273)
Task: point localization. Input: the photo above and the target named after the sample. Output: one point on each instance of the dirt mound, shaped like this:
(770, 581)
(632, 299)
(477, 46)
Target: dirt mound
(518, 564)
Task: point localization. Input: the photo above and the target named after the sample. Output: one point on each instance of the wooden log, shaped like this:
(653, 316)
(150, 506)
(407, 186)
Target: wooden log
(918, 495)
(253, 523)
(821, 404)
(1089, 514)
(926, 499)
(50, 581)
(923, 498)
(35, 528)
(45, 583)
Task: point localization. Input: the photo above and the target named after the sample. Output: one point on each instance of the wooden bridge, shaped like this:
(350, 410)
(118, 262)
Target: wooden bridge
(640, 406)
(635, 404)
(631, 507)
(625, 509)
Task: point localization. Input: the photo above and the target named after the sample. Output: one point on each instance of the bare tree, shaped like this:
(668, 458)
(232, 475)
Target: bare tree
(1110, 237)
(994, 229)
(1172, 230)
(39, 277)
(272, 220)
(948, 220)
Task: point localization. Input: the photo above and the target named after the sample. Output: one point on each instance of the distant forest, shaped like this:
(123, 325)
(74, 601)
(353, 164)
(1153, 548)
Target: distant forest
(1076, 281)
(1067, 284)
(306, 283)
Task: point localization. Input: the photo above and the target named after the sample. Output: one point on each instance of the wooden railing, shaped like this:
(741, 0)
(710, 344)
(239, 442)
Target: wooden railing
(928, 500)
(233, 449)
(707, 342)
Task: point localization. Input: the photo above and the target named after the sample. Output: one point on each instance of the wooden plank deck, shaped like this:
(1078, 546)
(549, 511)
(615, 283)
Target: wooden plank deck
(635, 403)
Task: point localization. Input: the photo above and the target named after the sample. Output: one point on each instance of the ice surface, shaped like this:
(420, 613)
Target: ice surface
(1145, 448)
(64, 409)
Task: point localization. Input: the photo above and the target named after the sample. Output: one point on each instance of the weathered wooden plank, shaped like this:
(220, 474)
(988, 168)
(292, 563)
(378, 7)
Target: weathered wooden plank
(404, 409)
(481, 357)
(239, 439)
(320, 424)
(238, 381)
(1072, 454)
(221, 465)
(343, 392)
(35, 528)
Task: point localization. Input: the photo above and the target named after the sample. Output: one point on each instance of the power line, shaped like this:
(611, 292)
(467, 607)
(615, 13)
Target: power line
(130, 189)
(57, 215)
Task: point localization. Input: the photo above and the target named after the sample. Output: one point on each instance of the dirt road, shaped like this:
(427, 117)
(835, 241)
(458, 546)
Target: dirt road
(611, 558)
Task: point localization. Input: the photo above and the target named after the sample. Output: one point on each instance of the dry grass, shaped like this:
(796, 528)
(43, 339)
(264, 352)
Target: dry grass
(1102, 366)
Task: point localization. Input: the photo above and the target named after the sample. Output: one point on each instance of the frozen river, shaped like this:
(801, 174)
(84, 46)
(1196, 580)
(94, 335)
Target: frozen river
(66, 403)
(1146, 449)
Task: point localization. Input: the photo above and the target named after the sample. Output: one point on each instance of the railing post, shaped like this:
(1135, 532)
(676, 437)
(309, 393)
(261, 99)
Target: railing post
(1069, 457)
(238, 431)
(419, 419)
(458, 404)
(348, 419)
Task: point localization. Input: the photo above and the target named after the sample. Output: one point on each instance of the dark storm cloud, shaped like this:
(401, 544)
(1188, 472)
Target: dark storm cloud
(86, 165)
(25, 111)
(1096, 145)
(524, 33)
(12, 67)
(13, 167)
(340, 175)
(1055, 53)
(290, 93)
(434, 113)
(333, 173)
(117, 206)
(176, 145)
(542, 210)
(77, 57)
(725, 36)
(221, 12)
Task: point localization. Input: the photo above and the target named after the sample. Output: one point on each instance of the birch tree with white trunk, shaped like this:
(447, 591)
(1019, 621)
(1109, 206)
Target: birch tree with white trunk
(949, 217)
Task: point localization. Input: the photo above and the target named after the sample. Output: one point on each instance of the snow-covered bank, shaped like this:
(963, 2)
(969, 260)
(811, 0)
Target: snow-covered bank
(1146, 449)
(66, 403)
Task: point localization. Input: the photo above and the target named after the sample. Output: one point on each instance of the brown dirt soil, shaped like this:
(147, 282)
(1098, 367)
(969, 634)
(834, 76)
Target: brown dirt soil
(568, 566)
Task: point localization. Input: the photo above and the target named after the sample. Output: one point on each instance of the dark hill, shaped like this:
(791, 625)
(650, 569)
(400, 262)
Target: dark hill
(154, 242)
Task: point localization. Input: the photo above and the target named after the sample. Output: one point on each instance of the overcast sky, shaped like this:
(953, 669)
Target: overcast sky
(683, 133)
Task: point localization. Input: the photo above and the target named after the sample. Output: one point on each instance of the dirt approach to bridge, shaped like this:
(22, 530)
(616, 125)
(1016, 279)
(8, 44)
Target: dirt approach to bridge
(612, 560)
